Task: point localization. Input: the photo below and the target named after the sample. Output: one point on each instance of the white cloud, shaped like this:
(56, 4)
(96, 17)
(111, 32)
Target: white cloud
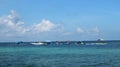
(46, 25)
(11, 24)
(95, 30)
(79, 30)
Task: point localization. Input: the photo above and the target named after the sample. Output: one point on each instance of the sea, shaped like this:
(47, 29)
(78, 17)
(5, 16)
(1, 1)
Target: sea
(27, 55)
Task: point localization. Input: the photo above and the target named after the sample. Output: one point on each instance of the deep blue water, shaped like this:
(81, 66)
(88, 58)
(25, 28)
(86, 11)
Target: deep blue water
(59, 56)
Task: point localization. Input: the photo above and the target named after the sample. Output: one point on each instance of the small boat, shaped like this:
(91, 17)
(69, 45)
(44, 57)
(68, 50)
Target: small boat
(37, 43)
(20, 42)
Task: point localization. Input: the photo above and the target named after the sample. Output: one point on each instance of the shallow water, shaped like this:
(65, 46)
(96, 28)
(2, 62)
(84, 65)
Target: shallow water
(60, 56)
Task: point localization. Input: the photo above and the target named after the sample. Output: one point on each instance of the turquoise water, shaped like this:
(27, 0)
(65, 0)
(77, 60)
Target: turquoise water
(60, 56)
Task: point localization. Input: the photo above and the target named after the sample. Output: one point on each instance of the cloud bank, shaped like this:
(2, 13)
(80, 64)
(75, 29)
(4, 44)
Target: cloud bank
(12, 25)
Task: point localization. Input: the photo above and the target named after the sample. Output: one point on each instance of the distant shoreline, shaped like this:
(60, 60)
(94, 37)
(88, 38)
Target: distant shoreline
(92, 42)
(87, 41)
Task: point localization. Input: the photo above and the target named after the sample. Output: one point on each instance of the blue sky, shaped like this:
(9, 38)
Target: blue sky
(39, 20)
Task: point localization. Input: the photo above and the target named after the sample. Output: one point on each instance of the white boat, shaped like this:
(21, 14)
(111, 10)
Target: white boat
(37, 43)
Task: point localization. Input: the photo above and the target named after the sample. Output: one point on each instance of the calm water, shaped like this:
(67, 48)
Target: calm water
(60, 56)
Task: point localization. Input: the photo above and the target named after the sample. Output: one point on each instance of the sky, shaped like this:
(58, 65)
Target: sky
(41, 20)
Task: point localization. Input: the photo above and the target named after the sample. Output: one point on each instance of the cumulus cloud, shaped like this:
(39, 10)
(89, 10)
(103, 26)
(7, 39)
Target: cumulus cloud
(11, 24)
(46, 25)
